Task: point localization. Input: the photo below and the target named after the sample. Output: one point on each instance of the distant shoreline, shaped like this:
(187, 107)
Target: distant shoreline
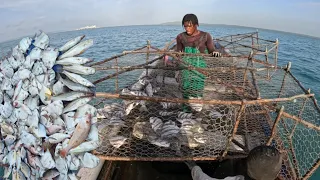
(175, 23)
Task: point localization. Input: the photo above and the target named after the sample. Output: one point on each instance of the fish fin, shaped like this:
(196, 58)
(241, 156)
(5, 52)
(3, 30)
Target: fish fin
(60, 53)
(57, 68)
(93, 90)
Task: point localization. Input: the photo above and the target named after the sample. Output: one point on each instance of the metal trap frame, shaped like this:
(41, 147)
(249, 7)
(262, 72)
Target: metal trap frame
(246, 101)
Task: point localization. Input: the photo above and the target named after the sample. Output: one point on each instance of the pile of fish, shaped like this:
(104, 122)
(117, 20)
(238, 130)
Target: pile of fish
(166, 127)
(47, 125)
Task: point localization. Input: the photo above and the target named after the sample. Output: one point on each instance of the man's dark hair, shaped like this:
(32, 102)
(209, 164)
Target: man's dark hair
(190, 18)
(264, 163)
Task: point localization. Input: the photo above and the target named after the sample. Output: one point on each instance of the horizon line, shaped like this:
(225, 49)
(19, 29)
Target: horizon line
(173, 23)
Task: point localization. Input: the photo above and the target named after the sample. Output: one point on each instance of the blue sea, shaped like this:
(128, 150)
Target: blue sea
(303, 51)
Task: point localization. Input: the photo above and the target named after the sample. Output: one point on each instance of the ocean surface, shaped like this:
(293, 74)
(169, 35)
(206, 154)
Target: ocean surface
(303, 51)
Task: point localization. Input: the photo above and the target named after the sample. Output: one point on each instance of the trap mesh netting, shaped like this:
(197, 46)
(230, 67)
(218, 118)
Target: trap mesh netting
(199, 107)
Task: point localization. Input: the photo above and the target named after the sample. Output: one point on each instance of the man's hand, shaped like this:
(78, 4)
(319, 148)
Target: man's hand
(216, 54)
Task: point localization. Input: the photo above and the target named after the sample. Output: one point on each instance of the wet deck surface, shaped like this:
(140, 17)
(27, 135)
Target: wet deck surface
(175, 170)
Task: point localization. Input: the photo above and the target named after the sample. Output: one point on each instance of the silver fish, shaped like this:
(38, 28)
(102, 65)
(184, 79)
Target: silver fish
(9, 140)
(25, 84)
(2, 147)
(184, 115)
(17, 89)
(35, 54)
(70, 96)
(69, 121)
(138, 85)
(74, 86)
(24, 44)
(52, 129)
(17, 53)
(141, 130)
(6, 109)
(166, 113)
(42, 40)
(47, 160)
(22, 95)
(84, 147)
(149, 90)
(58, 88)
(54, 109)
(20, 113)
(84, 110)
(74, 163)
(25, 169)
(89, 160)
(14, 64)
(33, 91)
(6, 68)
(6, 129)
(200, 137)
(28, 63)
(32, 102)
(79, 69)
(72, 176)
(195, 106)
(49, 57)
(158, 141)
(73, 60)
(169, 129)
(156, 123)
(75, 104)
(215, 114)
(58, 122)
(117, 141)
(77, 49)
(12, 119)
(93, 134)
(50, 174)
(167, 105)
(28, 139)
(58, 137)
(78, 79)
(115, 121)
(23, 73)
(61, 165)
(6, 85)
(71, 43)
(51, 76)
(1, 97)
(33, 119)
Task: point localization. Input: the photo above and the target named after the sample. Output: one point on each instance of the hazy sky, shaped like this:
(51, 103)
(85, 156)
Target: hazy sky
(25, 17)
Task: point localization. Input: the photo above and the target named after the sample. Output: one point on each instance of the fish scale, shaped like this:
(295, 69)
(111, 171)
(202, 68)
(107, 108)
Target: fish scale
(169, 129)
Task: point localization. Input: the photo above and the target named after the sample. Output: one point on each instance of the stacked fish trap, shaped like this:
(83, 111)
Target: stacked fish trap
(47, 125)
(147, 110)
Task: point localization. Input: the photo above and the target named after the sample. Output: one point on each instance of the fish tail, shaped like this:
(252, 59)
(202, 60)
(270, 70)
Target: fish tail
(58, 68)
(64, 152)
(93, 90)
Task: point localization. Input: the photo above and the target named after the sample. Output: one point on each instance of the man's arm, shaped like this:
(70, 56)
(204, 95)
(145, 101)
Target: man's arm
(179, 44)
(209, 43)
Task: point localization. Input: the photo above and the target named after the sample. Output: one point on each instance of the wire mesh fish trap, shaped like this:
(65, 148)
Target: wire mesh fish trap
(149, 110)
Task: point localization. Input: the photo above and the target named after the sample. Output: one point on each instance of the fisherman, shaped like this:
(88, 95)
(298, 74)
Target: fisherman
(193, 41)
(262, 163)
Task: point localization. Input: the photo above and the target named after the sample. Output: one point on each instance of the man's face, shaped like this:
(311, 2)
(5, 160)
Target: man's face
(189, 27)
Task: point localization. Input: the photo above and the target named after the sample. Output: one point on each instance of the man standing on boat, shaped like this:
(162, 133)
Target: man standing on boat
(193, 41)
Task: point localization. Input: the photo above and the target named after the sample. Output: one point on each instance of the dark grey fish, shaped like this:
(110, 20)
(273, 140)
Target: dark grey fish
(169, 130)
(156, 123)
